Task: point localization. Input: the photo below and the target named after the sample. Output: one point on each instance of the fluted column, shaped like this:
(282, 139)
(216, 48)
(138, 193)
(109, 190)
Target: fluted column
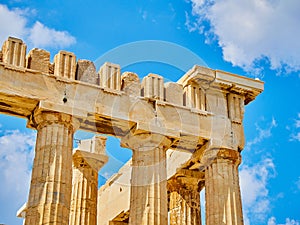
(148, 195)
(184, 203)
(85, 186)
(222, 188)
(51, 181)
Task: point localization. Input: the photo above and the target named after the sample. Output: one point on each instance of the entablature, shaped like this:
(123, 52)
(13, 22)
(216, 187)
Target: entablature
(203, 104)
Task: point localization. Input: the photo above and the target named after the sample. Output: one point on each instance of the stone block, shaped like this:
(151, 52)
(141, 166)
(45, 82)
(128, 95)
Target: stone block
(238, 137)
(38, 59)
(195, 97)
(174, 93)
(65, 65)
(131, 84)
(216, 102)
(236, 107)
(99, 144)
(153, 87)
(86, 72)
(109, 75)
(14, 52)
(95, 145)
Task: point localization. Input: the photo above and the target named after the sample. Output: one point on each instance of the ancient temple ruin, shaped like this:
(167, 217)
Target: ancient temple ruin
(185, 136)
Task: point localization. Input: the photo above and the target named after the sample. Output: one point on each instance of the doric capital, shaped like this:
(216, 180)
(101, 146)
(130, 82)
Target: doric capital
(82, 159)
(217, 154)
(186, 179)
(180, 184)
(145, 141)
(39, 119)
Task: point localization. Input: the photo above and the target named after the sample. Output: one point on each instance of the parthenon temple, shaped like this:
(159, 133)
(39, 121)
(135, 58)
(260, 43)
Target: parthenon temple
(185, 136)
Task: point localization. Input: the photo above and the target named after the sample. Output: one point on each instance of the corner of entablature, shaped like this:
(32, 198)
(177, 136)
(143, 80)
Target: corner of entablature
(198, 74)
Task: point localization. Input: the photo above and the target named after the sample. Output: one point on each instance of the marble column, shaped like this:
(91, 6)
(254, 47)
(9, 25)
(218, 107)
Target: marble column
(222, 188)
(184, 206)
(86, 165)
(51, 181)
(148, 195)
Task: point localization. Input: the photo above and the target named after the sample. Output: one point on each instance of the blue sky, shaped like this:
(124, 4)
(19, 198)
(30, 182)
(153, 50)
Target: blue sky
(254, 38)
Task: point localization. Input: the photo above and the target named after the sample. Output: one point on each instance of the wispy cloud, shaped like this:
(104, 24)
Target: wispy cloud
(144, 14)
(254, 181)
(254, 178)
(288, 221)
(248, 31)
(298, 183)
(191, 26)
(298, 121)
(263, 133)
(38, 35)
(16, 157)
(295, 136)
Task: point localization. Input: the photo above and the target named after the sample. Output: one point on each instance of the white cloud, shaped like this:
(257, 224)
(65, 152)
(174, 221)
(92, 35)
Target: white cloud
(16, 25)
(254, 181)
(295, 136)
(298, 184)
(298, 121)
(16, 157)
(42, 36)
(39, 35)
(288, 221)
(191, 26)
(262, 134)
(272, 221)
(248, 31)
